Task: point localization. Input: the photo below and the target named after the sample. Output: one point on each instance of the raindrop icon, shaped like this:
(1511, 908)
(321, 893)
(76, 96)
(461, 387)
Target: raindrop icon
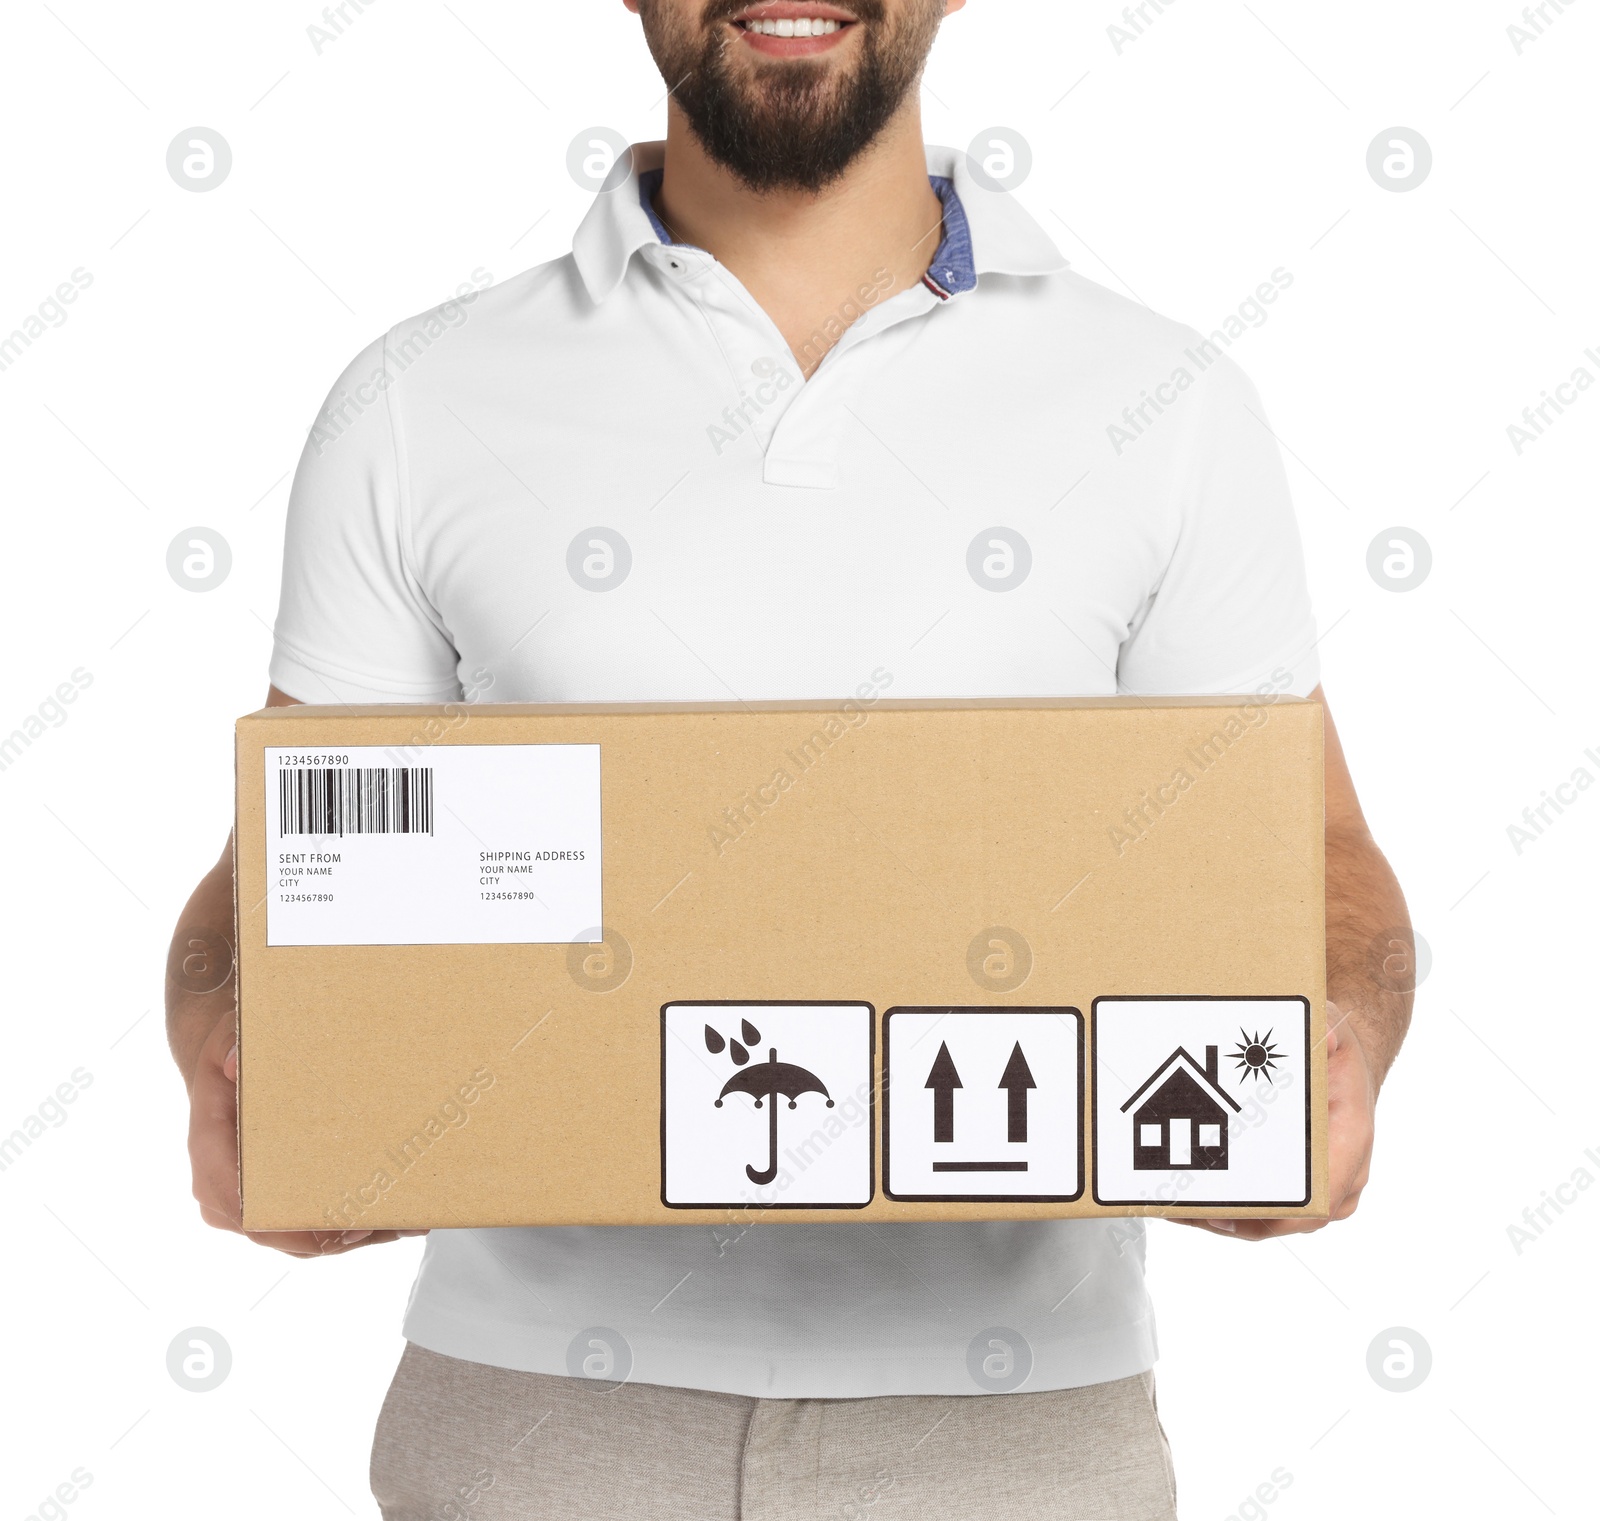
(714, 1042)
(740, 1055)
(752, 1036)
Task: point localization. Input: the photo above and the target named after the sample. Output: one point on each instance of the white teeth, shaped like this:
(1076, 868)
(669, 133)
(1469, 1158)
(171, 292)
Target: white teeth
(804, 26)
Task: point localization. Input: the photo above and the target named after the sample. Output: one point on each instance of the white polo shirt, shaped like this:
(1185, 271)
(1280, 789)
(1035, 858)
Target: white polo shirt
(604, 480)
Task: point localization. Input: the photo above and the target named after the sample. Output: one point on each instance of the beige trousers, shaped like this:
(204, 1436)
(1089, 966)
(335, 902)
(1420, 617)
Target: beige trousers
(460, 1441)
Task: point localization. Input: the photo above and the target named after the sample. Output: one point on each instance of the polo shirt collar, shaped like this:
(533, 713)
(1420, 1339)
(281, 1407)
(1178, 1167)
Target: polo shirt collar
(985, 231)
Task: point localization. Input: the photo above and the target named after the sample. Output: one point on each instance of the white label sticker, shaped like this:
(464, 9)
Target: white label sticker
(983, 1103)
(766, 1104)
(452, 845)
(1202, 1101)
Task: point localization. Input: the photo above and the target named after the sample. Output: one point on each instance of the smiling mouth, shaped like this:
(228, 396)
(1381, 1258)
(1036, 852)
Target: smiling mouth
(792, 26)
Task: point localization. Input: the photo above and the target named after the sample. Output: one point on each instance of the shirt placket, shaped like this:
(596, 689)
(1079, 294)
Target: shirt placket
(797, 425)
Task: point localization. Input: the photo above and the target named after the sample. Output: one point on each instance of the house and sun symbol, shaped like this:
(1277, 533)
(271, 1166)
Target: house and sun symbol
(1256, 1056)
(1182, 1119)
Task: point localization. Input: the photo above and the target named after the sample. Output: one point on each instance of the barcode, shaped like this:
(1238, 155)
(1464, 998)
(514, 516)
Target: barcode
(355, 800)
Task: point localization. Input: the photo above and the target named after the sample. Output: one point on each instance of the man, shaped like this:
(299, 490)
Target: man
(740, 443)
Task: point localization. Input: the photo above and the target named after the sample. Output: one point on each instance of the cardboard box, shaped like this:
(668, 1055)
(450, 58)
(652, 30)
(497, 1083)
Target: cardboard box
(887, 960)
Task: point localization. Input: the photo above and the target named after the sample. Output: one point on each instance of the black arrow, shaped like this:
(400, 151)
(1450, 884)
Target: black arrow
(944, 1080)
(1016, 1080)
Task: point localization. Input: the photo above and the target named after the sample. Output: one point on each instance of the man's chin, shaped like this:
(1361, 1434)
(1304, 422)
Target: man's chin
(782, 143)
(795, 123)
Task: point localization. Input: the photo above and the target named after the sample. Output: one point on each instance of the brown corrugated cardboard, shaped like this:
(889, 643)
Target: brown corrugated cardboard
(883, 959)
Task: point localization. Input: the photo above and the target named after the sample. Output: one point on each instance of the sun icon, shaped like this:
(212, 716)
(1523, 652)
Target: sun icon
(1256, 1056)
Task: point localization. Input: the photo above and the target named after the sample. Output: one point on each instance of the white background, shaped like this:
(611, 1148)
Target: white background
(370, 182)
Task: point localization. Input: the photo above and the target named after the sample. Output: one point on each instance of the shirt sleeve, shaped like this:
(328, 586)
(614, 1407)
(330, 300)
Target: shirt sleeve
(1231, 611)
(354, 622)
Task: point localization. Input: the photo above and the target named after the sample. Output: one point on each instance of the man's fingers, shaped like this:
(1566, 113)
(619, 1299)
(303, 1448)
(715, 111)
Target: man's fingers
(1238, 1229)
(216, 1217)
(214, 1157)
(323, 1243)
(1350, 1128)
(213, 1131)
(1347, 1206)
(1264, 1230)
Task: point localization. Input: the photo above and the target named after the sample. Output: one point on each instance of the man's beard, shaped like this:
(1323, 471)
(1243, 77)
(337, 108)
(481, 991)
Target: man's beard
(794, 124)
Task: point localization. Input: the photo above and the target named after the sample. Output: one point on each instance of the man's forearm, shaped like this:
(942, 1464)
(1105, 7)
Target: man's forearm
(1371, 952)
(200, 969)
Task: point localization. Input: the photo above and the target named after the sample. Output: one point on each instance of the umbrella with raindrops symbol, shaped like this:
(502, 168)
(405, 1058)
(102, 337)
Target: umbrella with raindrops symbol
(763, 1080)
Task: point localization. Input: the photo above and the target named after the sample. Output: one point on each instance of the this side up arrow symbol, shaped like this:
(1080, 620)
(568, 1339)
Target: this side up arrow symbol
(1016, 1080)
(944, 1080)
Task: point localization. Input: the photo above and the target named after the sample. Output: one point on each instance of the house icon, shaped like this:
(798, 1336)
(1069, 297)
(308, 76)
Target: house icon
(1181, 1121)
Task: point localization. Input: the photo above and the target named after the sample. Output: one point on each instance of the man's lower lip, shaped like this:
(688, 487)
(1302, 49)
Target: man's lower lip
(793, 47)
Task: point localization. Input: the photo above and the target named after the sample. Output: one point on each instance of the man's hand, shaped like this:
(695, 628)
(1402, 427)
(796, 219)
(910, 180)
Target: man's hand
(1352, 1100)
(202, 1029)
(214, 1156)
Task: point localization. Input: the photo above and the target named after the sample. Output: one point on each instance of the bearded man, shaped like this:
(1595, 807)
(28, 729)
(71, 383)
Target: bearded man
(750, 440)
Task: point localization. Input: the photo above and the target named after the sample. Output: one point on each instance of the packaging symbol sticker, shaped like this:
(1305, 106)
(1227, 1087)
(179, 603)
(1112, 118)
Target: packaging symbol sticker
(1202, 1101)
(983, 1104)
(766, 1105)
(435, 845)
